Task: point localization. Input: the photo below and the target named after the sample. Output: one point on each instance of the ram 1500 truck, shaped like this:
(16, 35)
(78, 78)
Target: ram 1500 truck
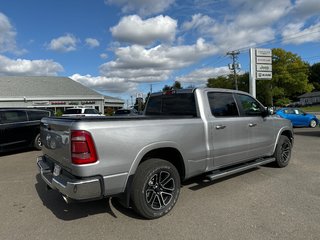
(143, 159)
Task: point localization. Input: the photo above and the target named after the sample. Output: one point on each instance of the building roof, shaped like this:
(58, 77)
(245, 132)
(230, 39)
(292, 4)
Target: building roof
(11, 87)
(108, 99)
(310, 95)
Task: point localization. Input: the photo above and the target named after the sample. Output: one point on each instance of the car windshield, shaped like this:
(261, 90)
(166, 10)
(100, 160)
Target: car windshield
(73, 111)
(91, 111)
(122, 112)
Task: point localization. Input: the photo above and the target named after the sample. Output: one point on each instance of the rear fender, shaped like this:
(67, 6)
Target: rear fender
(148, 148)
(153, 146)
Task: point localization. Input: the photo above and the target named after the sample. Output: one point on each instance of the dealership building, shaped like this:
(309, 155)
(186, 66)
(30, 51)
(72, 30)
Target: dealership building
(55, 93)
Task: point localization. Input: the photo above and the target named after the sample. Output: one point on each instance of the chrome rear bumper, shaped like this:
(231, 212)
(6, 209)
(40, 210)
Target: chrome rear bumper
(77, 189)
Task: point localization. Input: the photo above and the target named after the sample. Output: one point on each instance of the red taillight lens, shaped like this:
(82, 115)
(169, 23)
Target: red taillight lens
(83, 150)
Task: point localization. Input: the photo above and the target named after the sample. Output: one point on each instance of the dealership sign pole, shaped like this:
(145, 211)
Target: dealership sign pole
(260, 67)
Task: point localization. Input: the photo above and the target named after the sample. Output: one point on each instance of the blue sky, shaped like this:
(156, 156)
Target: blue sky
(122, 47)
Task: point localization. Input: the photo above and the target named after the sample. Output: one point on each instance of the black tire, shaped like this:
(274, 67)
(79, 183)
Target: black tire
(37, 142)
(155, 188)
(313, 123)
(283, 152)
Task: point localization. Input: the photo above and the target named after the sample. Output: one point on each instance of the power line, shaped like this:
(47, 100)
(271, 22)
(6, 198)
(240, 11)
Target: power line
(290, 37)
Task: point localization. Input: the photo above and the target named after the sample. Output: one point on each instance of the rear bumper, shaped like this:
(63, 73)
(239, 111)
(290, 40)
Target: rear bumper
(74, 188)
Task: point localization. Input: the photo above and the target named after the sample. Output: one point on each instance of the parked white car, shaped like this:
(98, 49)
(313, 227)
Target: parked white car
(81, 112)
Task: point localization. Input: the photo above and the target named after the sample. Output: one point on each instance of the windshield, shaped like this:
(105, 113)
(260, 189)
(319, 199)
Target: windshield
(73, 111)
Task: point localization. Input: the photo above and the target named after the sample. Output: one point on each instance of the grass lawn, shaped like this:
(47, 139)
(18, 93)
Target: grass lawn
(311, 108)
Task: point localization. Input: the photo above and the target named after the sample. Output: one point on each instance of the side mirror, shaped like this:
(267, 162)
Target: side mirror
(266, 112)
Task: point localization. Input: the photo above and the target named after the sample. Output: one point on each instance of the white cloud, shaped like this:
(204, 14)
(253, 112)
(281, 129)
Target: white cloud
(199, 22)
(26, 67)
(233, 37)
(137, 64)
(257, 14)
(92, 43)
(252, 23)
(8, 37)
(298, 34)
(306, 8)
(132, 29)
(100, 83)
(142, 7)
(229, 35)
(200, 76)
(104, 56)
(66, 43)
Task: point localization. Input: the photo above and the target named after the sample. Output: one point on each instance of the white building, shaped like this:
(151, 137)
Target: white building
(310, 98)
(55, 93)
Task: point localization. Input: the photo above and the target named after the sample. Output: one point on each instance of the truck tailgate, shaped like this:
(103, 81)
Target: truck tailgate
(55, 137)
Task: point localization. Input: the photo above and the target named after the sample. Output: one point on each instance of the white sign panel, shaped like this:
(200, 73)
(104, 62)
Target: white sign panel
(264, 67)
(263, 52)
(264, 60)
(264, 75)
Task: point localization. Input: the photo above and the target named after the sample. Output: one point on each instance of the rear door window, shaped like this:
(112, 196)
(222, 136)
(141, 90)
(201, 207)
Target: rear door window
(13, 116)
(223, 104)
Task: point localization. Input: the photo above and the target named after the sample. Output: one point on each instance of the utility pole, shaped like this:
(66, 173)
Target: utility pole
(234, 66)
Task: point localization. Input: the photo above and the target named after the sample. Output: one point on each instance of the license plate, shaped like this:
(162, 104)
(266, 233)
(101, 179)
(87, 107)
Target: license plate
(56, 170)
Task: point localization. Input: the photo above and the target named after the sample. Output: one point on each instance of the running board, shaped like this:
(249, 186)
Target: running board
(216, 174)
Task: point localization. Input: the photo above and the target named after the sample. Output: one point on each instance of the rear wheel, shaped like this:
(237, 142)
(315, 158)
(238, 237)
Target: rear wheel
(37, 144)
(283, 152)
(156, 188)
(313, 123)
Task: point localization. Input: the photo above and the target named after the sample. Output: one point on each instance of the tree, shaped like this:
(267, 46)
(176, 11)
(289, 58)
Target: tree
(166, 88)
(228, 82)
(109, 111)
(290, 79)
(221, 82)
(176, 85)
(314, 76)
(290, 76)
(263, 87)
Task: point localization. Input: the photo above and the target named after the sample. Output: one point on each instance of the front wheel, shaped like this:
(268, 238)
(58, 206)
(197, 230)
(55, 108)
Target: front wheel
(156, 188)
(313, 123)
(283, 152)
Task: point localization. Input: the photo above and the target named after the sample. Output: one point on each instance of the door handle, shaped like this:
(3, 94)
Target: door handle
(220, 127)
(252, 124)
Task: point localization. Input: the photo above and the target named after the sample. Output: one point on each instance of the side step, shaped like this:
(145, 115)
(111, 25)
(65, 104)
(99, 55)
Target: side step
(238, 168)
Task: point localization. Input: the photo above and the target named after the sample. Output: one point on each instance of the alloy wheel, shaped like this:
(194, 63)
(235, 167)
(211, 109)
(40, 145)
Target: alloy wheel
(160, 190)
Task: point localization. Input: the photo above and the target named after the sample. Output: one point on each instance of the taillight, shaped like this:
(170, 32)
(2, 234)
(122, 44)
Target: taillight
(83, 150)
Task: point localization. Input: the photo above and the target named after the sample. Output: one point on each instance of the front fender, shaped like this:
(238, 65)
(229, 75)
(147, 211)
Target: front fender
(283, 131)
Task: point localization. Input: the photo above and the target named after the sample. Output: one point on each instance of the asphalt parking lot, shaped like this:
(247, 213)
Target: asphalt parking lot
(263, 203)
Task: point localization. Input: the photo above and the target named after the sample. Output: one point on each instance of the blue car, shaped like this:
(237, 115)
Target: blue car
(298, 117)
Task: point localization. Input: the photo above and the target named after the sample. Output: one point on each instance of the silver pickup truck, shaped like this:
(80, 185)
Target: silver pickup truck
(142, 160)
